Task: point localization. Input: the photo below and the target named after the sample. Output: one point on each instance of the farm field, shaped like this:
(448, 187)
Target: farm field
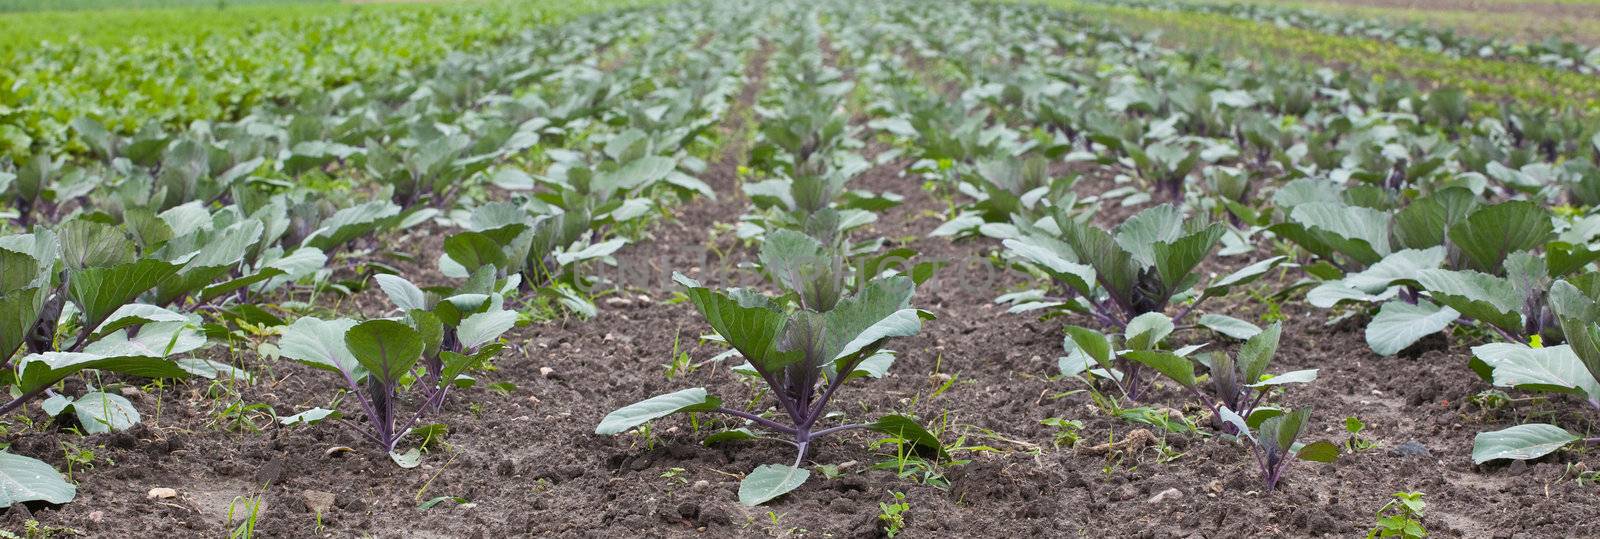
(795, 269)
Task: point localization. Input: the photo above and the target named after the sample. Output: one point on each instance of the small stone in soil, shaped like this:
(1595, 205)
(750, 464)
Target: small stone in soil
(318, 502)
(1165, 495)
(161, 493)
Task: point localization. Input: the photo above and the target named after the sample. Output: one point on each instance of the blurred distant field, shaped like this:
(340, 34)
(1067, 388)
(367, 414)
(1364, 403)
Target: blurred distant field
(1521, 20)
(76, 5)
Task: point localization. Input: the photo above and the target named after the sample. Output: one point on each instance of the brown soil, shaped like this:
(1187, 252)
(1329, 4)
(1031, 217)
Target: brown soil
(529, 464)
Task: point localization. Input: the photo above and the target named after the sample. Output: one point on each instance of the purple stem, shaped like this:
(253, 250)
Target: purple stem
(768, 423)
(831, 430)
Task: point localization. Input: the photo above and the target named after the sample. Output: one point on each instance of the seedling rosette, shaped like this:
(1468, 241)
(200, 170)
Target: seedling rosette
(805, 356)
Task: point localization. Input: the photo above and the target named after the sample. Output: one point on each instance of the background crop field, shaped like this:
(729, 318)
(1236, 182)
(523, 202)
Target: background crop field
(77, 5)
(799, 268)
(1527, 20)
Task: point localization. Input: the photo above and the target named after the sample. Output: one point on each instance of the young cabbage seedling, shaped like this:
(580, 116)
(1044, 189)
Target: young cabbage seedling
(805, 345)
(1239, 384)
(1137, 268)
(378, 358)
(1143, 338)
(1274, 443)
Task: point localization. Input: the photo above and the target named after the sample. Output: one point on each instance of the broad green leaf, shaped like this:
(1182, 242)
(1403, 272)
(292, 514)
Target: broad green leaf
(1092, 343)
(1423, 223)
(1319, 451)
(386, 348)
(863, 321)
(134, 314)
(19, 309)
(1147, 330)
(1139, 234)
(1359, 233)
(23, 479)
(1257, 352)
(87, 244)
(309, 417)
(1229, 326)
(1399, 325)
(100, 291)
(1113, 267)
(320, 343)
(907, 429)
(1281, 431)
(401, 292)
(1079, 277)
(100, 412)
(43, 370)
(1476, 295)
(1552, 368)
(1400, 266)
(1491, 233)
(1179, 369)
(750, 324)
(1175, 260)
(1244, 276)
(351, 222)
(158, 340)
(483, 328)
(473, 250)
(1305, 376)
(630, 416)
(769, 481)
(1522, 442)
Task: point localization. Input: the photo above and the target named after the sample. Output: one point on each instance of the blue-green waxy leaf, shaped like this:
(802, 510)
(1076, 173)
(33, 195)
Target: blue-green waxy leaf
(1479, 296)
(386, 348)
(1229, 326)
(1091, 343)
(350, 223)
(1304, 376)
(401, 292)
(1553, 368)
(483, 328)
(1522, 442)
(1399, 325)
(411, 458)
(748, 322)
(630, 416)
(100, 412)
(309, 417)
(769, 481)
(1492, 233)
(1244, 276)
(1147, 330)
(44, 370)
(1257, 352)
(100, 291)
(320, 343)
(879, 312)
(24, 479)
(1359, 233)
